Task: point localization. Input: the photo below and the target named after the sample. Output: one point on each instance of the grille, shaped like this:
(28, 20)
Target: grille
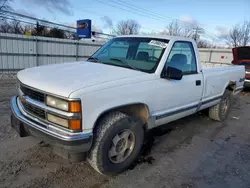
(34, 110)
(32, 93)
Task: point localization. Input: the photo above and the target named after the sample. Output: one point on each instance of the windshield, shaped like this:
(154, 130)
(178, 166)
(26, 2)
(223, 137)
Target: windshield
(136, 53)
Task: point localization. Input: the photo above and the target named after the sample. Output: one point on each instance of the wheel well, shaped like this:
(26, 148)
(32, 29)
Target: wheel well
(231, 86)
(139, 110)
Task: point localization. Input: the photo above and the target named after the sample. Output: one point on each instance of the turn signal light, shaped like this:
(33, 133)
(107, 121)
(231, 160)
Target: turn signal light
(75, 124)
(75, 106)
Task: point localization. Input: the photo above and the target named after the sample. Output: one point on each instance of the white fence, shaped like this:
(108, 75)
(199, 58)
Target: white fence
(216, 55)
(19, 51)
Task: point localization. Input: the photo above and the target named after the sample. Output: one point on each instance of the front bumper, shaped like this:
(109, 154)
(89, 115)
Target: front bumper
(247, 83)
(69, 143)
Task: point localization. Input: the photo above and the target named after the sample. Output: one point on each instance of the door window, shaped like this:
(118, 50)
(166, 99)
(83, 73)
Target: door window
(182, 57)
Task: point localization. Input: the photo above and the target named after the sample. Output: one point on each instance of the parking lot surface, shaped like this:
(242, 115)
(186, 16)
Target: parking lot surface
(192, 152)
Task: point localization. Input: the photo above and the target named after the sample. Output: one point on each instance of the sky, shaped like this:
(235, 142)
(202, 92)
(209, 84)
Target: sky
(215, 16)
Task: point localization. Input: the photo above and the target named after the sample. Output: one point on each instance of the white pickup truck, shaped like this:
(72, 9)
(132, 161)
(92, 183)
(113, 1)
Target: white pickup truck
(102, 107)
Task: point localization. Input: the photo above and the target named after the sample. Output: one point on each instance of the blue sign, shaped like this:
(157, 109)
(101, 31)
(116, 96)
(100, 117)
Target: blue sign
(83, 28)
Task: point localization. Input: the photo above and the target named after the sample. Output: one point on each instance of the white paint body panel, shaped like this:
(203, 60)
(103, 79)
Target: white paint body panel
(104, 87)
(63, 79)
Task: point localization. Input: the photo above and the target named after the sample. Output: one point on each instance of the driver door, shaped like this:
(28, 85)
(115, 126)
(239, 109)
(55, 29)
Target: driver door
(179, 98)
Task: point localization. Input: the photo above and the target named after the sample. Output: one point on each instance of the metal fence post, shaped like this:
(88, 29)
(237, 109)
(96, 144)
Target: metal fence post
(37, 63)
(77, 49)
(210, 55)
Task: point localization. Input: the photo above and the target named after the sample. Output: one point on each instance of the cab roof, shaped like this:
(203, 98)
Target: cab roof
(167, 37)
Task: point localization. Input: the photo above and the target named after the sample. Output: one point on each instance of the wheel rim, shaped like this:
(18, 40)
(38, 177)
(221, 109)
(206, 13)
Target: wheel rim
(123, 145)
(224, 106)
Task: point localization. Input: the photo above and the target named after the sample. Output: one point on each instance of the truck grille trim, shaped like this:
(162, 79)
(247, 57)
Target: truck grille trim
(34, 110)
(32, 93)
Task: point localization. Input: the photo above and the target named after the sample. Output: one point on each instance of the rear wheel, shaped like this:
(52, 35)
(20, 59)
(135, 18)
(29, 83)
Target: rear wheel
(117, 143)
(220, 111)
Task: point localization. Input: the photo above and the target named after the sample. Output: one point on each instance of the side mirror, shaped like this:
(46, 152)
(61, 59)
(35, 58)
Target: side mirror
(172, 73)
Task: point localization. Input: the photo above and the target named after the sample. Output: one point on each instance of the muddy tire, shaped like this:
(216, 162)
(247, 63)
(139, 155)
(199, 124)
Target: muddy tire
(220, 111)
(118, 139)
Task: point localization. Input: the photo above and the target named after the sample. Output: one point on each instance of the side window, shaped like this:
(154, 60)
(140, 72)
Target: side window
(182, 57)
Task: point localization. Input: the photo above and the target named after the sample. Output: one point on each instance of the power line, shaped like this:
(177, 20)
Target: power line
(159, 14)
(66, 26)
(14, 19)
(30, 23)
(47, 22)
(2, 6)
(150, 12)
(114, 19)
(140, 14)
(37, 19)
(145, 12)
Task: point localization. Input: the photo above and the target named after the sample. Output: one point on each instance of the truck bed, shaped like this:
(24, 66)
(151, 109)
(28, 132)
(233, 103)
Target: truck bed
(213, 65)
(218, 76)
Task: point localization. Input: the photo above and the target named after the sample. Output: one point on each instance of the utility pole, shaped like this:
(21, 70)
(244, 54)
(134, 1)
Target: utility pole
(198, 30)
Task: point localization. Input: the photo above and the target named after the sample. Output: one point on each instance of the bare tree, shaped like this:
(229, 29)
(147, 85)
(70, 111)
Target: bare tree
(16, 27)
(239, 35)
(245, 30)
(127, 27)
(27, 28)
(174, 28)
(204, 44)
(13, 26)
(39, 30)
(56, 33)
(5, 26)
(187, 32)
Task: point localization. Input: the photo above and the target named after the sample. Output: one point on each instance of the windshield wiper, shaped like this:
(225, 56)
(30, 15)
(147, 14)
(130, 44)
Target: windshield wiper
(94, 58)
(124, 62)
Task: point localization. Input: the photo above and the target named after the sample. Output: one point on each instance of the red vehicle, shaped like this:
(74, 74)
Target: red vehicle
(241, 56)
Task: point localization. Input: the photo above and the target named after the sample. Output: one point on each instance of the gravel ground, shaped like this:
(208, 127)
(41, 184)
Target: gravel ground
(192, 152)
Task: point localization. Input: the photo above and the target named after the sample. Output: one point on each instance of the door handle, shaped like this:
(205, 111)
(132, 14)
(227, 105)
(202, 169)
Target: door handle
(198, 82)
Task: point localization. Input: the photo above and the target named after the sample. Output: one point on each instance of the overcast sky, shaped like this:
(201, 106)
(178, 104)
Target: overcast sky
(215, 16)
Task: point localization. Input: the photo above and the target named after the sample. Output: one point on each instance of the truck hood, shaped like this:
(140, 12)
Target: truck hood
(63, 79)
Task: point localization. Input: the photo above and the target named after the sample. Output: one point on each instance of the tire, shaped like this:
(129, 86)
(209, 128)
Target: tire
(108, 127)
(219, 112)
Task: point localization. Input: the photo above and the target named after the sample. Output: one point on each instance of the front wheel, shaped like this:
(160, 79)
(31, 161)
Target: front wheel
(220, 111)
(117, 143)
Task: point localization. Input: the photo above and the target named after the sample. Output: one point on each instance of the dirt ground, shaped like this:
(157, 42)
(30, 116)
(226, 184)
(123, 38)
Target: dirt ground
(194, 152)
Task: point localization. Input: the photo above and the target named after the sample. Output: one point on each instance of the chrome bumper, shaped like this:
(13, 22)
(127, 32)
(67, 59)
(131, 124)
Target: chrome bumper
(47, 129)
(247, 83)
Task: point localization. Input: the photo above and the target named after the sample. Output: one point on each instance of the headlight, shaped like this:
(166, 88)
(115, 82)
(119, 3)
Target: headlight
(58, 120)
(73, 124)
(69, 106)
(57, 103)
